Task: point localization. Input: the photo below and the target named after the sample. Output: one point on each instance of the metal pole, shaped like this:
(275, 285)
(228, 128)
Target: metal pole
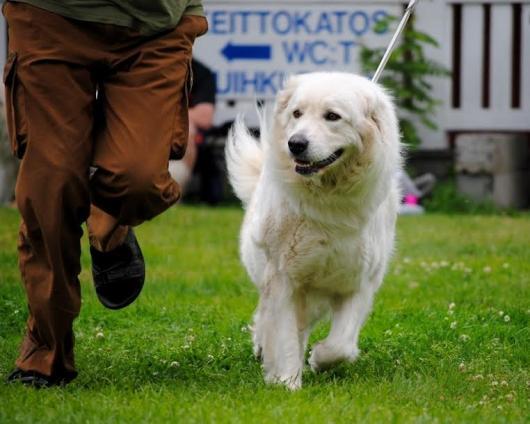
(390, 48)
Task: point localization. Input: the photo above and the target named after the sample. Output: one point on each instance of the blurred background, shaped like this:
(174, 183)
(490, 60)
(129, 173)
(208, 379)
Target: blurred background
(460, 77)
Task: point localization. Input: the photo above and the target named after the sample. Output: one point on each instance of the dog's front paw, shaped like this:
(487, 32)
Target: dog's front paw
(292, 382)
(324, 356)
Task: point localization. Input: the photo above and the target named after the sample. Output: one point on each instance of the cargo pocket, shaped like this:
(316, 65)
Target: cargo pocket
(181, 124)
(15, 108)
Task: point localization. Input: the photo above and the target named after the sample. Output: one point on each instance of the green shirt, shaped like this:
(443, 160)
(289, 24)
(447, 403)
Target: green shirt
(146, 16)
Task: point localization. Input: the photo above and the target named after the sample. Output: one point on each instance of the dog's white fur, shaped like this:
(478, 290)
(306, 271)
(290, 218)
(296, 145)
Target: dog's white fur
(319, 242)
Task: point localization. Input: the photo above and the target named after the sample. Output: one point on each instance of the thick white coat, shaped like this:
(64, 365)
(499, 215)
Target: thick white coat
(320, 242)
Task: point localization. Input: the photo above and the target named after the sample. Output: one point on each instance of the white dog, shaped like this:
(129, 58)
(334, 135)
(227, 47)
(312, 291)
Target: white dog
(321, 197)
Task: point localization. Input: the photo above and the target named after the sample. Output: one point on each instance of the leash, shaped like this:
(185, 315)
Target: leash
(390, 48)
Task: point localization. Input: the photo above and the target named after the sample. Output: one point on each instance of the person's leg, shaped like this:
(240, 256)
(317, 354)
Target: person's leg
(145, 106)
(144, 102)
(49, 104)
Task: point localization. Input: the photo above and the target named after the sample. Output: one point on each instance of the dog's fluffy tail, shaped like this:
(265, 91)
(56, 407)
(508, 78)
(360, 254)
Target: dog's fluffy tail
(244, 160)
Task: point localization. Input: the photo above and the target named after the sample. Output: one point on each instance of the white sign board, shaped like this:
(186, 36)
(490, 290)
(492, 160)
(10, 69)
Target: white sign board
(253, 46)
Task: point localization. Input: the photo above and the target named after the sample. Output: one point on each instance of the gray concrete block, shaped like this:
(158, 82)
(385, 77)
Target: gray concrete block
(491, 152)
(512, 189)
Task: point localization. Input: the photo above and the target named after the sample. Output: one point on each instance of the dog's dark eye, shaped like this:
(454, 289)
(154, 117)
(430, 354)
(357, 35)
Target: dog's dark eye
(297, 114)
(332, 116)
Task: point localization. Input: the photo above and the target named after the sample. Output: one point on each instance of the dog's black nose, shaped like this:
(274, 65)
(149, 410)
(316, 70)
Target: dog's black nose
(298, 144)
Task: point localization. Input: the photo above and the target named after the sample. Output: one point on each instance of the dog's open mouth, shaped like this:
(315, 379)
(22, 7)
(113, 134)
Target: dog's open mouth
(307, 168)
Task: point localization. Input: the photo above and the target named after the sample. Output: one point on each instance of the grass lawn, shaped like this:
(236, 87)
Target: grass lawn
(448, 340)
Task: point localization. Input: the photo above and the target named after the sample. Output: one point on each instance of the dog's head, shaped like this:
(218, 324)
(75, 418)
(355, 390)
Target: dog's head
(333, 126)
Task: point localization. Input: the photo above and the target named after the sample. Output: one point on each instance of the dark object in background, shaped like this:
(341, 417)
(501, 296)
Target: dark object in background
(203, 88)
(435, 161)
(209, 181)
(210, 165)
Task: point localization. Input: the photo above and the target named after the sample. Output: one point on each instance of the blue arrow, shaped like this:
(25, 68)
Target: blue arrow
(247, 52)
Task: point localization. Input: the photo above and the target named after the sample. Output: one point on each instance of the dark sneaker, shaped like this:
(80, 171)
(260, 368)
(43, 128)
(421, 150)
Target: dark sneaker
(119, 274)
(37, 380)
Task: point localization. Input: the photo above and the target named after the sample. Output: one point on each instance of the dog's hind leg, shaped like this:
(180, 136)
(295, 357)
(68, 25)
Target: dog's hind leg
(348, 316)
(282, 339)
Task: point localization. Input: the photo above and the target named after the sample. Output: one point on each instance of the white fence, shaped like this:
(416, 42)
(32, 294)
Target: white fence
(491, 83)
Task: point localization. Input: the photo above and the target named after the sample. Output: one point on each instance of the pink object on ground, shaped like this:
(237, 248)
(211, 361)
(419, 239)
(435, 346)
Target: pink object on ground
(410, 199)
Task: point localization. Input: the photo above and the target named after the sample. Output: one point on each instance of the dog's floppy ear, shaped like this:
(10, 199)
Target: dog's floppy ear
(372, 111)
(283, 96)
(381, 116)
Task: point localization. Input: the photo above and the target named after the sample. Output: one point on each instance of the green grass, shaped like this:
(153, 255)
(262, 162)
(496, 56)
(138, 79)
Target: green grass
(182, 353)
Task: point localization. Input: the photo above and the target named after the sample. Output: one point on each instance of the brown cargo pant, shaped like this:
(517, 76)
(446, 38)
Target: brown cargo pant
(82, 94)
